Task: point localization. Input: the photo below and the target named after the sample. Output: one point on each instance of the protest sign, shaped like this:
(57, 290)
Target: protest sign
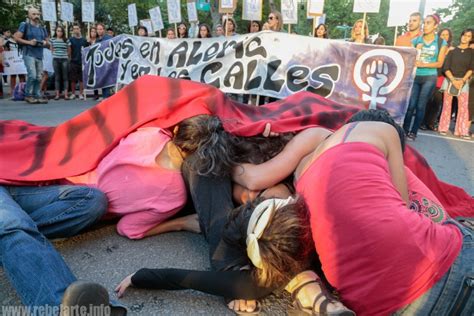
(67, 10)
(48, 10)
(13, 63)
(132, 15)
(174, 11)
(148, 25)
(192, 11)
(315, 7)
(48, 60)
(289, 11)
(400, 10)
(88, 9)
(366, 6)
(252, 10)
(348, 73)
(227, 6)
(156, 19)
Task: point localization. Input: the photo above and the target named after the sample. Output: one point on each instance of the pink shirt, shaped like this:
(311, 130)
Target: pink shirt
(376, 252)
(139, 190)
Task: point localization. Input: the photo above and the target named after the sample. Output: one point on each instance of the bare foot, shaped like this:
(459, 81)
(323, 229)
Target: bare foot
(242, 305)
(190, 223)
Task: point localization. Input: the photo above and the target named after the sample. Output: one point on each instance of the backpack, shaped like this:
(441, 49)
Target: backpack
(22, 47)
(19, 92)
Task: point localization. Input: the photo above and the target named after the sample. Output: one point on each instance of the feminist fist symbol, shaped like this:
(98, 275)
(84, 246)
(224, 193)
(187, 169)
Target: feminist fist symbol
(377, 73)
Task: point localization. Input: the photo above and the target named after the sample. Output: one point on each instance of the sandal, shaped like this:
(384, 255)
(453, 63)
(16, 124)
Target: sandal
(299, 309)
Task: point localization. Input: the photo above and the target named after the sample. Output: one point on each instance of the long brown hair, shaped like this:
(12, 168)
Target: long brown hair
(285, 245)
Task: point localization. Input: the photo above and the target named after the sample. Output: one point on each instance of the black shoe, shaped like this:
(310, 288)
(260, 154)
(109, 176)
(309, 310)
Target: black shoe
(91, 296)
(411, 136)
(423, 127)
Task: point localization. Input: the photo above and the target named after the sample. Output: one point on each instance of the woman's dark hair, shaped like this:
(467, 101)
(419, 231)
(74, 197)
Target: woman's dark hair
(379, 115)
(326, 32)
(231, 20)
(185, 34)
(285, 245)
(207, 28)
(249, 27)
(141, 27)
(450, 40)
(64, 38)
(468, 30)
(435, 17)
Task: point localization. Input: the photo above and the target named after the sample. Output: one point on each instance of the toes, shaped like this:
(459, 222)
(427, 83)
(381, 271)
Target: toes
(251, 305)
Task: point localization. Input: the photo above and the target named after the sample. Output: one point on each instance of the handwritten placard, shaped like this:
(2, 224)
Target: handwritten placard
(289, 11)
(48, 9)
(174, 11)
(67, 10)
(148, 25)
(398, 17)
(315, 7)
(88, 11)
(192, 11)
(132, 15)
(156, 19)
(252, 10)
(367, 6)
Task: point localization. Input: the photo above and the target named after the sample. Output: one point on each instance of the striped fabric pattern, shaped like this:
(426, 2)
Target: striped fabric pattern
(60, 48)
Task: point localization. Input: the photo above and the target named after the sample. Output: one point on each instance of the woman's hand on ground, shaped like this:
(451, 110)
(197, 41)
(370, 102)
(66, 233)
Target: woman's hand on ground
(243, 305)
(127, 282)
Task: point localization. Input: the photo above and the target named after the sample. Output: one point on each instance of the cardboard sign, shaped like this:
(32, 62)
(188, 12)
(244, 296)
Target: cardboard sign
(156, 19)
(227, 6)
(132, 15)
(367, 6)
(174, 11)
(400, 10)
(67, 10)
(289, 11)
(315, 7)
(88, 11)
(252, 10)
(48, 10)
(192, 12)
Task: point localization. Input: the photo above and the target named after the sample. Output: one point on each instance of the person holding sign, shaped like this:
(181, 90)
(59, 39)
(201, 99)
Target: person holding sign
(142, 31)
(432, 51)
(321, 31)
(204, 31)
(414, 30)
(358, 35)
(33, 37)
(275, 22)
(182, 30)
(230, 26)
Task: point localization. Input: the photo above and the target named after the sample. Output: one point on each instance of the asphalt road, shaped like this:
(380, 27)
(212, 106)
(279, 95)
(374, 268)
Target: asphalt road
(103, 256)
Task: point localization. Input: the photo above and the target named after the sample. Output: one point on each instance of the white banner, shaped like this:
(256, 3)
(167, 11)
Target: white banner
(67, 10)
(368, 6)
(156, 19)
(47, 60)
(252, 10)
(13, 63)
(289, 11)
(174, 11)
(315, 7)
(88, 11)
(400, 10)
(192, 12)
(48, 10)
(132, 15)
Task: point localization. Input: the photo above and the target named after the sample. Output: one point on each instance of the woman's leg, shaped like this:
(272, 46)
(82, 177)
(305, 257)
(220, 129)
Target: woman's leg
(415, 93)
(57, 76)
(462, 120)
(445, 119)
(65, 76)
(426, 91)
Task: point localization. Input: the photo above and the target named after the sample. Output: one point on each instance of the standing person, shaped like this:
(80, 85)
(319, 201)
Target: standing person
(33, 37)
(111, 32)
(92, 39)
(61, 50)
(182, 30)
(254, 27)
(103, 36)
(12, 46)
(275, 22)
(414, 30)
(204, 31)
(75, 74)
(432, 52)
(359, 36)
(230, 27)
(321, 31)
(142, 31)
(458, 68)
(170, 34)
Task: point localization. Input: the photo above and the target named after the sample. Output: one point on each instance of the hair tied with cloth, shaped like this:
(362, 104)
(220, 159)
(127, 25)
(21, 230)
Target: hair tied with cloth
(259, 220)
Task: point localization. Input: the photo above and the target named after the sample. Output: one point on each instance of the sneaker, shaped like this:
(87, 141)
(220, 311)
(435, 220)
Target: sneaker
(466, 137)
(56, 98)
(411, 136)
(72, 97)
(31, 100)
(443, 133)
(81, 97)
(42, 100)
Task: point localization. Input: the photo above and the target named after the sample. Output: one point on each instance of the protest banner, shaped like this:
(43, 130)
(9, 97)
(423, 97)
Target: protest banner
(156, 19)
(315, 7)
(88, 11)
(13, 63)
(348, 73)
(132, 16)
(289, 12)
(174, 11)
(252, 10)
(192, 11)
(67, 10)
(48, 10)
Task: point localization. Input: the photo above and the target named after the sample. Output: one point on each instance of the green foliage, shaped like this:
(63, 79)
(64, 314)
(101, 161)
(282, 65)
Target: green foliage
(11, 15)
(462, 18)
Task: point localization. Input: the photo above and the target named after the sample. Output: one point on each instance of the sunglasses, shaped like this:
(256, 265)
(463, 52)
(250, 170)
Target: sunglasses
(271, 17)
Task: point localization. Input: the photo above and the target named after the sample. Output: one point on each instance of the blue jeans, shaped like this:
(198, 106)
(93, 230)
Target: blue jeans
(34, 69)
(421, 93)
(454, 293)
(28, 215)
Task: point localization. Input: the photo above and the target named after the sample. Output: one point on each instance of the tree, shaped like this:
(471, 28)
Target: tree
(11, 15)
(462, 12)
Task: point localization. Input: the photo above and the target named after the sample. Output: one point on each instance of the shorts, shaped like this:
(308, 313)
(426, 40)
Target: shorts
(75, 72)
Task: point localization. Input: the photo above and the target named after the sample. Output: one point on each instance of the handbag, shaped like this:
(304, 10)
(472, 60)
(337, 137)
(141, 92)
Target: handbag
(452, 90)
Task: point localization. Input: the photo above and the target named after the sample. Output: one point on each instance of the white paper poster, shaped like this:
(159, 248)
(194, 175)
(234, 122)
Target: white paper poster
(88, 11)
(315, 7)
(67, 10)
(48, 10)
(252, 10)
(400, 10)
(156, 19)
(47, 60)
(192, 12)
(368, 6)
(289, 11)
(174, 11)
(132, 15)
(227, 4)
(13, 63)
(148, 25)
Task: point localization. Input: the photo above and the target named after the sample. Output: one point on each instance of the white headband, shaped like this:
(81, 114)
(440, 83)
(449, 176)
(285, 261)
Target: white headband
(258, 222)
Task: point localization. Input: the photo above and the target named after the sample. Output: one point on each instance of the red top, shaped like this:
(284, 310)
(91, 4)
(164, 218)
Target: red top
(376, 252)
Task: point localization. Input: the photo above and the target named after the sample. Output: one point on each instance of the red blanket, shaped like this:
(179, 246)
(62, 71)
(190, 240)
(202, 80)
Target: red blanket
(32, 154)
